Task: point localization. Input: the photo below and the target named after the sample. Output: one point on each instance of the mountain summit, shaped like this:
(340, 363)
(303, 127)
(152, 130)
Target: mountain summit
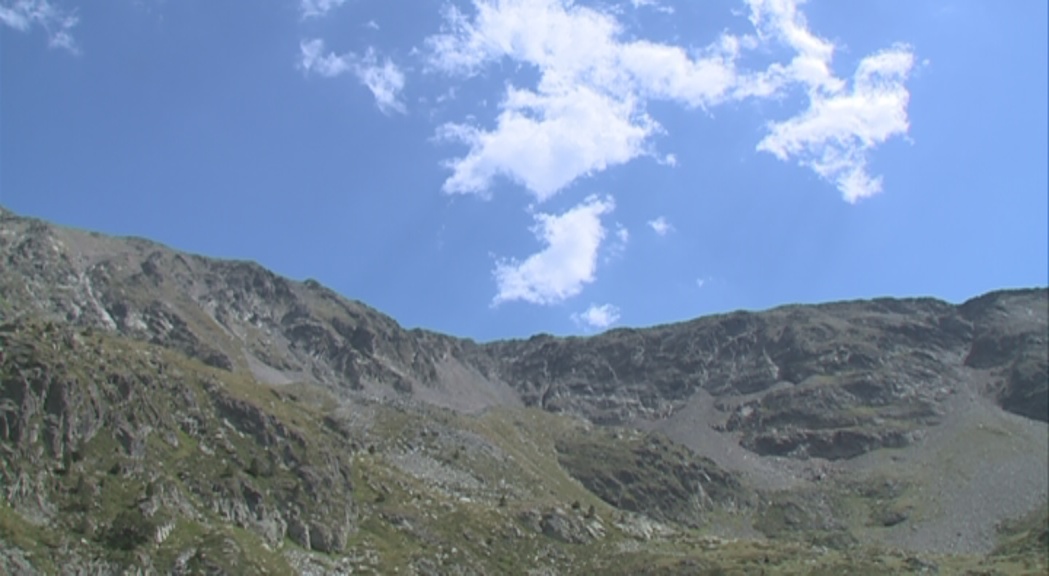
(171, 413)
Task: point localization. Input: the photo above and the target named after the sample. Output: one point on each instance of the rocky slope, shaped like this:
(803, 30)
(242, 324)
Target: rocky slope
(897, 355)
(176, 413)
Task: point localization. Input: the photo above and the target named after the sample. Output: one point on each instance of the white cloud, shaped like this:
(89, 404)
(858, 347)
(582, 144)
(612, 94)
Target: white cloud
(618, 245)
(567, 262)
(546, 141)
(587, 111)
(661, 226)
(597, 317)
(22, 15)
(385, 80)
(312, 59)
(318, 8)
(837, 132)
(654, 4)
(780, 20)
(835, 135)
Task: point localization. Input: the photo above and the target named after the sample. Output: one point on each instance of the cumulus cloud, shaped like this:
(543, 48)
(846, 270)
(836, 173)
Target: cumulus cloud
(835, 135)
(58, 23)
(567, 262)
(385, 80)
(661, 226)
(586, 113)
(597, 317)
(842, 124)
(318, 8)
(546, 141)
(587, 110)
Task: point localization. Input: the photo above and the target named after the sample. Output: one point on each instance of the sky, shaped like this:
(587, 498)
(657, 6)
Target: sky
(500, 168)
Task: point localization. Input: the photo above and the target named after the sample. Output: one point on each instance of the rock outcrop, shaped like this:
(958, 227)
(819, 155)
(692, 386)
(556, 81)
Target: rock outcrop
(819, 378)
(166, 412)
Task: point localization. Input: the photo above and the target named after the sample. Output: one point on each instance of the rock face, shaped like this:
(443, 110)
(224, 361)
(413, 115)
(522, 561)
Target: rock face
(650, 475)
(824, 373)
(1010, 341)
(73, 406)
(831, 381)
(229, 315)
(151, 396)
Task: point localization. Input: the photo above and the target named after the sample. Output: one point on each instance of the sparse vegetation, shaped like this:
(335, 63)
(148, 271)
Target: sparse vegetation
(155, 445)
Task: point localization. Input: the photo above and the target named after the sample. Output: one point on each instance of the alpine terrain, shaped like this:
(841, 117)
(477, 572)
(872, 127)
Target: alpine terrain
(167, 413)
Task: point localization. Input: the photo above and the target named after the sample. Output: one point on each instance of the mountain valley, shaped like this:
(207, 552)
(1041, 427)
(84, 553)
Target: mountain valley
(167, 413)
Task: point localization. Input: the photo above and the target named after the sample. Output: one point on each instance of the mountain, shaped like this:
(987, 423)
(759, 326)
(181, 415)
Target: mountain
(162, 412)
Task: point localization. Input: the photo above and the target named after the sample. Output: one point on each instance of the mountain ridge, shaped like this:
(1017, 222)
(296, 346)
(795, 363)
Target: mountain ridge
(829, 424)
(10, 215)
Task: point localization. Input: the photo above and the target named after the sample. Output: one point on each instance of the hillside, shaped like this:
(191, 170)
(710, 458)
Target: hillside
(181, 414)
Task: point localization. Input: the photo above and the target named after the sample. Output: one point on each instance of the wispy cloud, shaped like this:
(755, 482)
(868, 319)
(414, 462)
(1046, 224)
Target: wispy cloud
(841, 125)
(313, 59)
(836, 134)
(384, 79)
(318, 8)
(567, 262)
(661, 226)
(654, 4)
(58, 23)
(587, 110)
(622, 234)
(617, 247)
(597, 317)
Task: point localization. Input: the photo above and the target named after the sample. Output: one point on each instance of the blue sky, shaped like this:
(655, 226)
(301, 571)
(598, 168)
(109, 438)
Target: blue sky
(498, 168)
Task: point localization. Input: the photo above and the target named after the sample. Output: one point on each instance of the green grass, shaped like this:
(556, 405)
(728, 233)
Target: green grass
(1026, 537)
(38, 543)
(538, 460)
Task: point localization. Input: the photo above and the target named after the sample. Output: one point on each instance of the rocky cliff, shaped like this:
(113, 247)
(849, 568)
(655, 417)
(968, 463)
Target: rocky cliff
(179, 413)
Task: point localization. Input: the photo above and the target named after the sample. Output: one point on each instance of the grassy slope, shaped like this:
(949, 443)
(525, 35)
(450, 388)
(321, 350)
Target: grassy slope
(517, 458)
